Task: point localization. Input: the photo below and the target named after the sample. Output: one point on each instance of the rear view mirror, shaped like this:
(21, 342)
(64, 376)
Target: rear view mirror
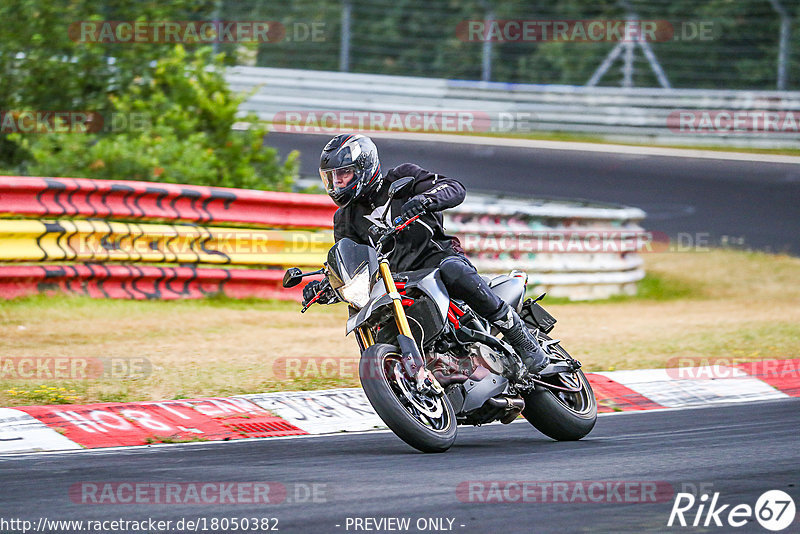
(400, 186)
(292, 277)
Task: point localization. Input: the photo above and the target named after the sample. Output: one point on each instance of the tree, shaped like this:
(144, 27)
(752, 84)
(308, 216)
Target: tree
(177, 127)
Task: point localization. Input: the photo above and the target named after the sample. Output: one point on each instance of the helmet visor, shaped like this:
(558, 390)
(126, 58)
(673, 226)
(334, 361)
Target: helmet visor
(337, 180)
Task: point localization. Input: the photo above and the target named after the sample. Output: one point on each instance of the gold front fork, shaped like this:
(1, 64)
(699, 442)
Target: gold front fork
(402, 324)
(366, 337)
(391, 289)
(364, 334)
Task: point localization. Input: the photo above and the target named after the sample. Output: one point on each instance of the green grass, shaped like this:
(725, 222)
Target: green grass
(585, 138)
(653, 287)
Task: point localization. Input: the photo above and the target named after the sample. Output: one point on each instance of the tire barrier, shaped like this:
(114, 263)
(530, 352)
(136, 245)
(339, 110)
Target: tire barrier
(84, 198)
(142, 282)
(109, 241)
(573, 249)
(113, 238)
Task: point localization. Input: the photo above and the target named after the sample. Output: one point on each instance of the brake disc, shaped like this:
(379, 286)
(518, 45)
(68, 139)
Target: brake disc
(434, 410)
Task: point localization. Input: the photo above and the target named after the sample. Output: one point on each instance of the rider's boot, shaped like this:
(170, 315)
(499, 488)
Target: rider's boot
(516, 333)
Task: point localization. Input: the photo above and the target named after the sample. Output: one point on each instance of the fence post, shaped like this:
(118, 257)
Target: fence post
(783, 46)
(486, 67)
(344, 47)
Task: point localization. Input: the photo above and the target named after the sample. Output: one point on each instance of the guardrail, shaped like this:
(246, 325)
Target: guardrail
(605, 111)
(113, 239)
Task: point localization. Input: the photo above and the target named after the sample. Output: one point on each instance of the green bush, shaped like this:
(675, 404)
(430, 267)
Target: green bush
(43, 67)
(176, 126)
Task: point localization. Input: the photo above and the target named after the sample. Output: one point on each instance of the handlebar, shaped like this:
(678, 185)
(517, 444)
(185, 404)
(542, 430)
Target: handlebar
(400, 225)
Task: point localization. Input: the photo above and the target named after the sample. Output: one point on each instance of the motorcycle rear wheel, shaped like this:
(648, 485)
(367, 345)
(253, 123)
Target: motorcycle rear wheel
(427, 423)
(560, 415)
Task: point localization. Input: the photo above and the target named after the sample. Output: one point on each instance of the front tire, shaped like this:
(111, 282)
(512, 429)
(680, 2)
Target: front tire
(427, 423)
(560, 415)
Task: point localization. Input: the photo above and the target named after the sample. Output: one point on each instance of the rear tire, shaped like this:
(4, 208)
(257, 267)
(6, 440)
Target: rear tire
(426, 423)
(559, 415)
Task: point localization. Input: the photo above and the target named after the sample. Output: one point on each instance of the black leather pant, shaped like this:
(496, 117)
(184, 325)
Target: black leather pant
(464, 283)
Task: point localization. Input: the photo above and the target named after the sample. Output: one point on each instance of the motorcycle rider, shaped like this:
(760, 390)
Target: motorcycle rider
(351, 171)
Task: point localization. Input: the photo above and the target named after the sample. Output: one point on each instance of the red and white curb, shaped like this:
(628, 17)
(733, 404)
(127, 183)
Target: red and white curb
(66, 427)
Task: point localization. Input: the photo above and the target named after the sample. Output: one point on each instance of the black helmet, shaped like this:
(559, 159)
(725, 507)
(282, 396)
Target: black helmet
(346, 154)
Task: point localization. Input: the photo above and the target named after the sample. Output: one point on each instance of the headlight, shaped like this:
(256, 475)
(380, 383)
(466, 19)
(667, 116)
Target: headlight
(356, 292)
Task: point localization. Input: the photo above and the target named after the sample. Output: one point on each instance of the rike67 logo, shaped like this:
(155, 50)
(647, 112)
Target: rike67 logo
(774, 510)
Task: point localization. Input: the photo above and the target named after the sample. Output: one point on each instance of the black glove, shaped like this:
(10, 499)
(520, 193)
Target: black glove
(416, 206)
(311, 290)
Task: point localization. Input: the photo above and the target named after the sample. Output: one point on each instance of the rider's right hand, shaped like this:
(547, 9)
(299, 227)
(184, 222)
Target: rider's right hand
(311, 290)
(376, 232)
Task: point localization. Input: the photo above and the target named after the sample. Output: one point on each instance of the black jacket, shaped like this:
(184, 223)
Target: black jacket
(422, 244)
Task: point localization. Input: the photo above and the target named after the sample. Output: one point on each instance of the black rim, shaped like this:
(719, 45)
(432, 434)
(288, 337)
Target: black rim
(581, 402)
(428, 410)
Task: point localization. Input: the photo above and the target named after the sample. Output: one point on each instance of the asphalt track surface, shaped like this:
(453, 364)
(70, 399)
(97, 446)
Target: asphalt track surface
(739, 451)
(695, 201)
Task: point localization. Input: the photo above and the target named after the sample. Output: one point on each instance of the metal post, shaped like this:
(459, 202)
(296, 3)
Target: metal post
(654, 64)
(215, 16)
(629, 47)
(344, 47)
(605, 65)
(783, 46)
(486, 70)
(627, 69)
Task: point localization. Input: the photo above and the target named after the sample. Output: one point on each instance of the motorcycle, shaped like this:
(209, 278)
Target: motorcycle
(429, 363)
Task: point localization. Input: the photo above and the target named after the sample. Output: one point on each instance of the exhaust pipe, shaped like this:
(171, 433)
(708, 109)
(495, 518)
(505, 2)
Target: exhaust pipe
(507, 402)
(513, 405)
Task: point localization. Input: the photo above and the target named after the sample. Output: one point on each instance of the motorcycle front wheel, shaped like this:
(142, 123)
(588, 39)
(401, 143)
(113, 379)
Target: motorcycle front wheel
(426, 422)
